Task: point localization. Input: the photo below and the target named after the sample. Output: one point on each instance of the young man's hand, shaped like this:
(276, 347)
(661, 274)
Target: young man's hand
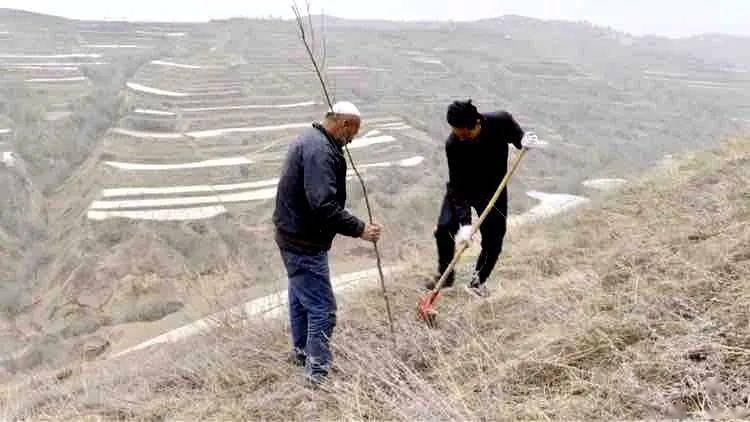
(532, 141)
(372, 232)
(463, 235)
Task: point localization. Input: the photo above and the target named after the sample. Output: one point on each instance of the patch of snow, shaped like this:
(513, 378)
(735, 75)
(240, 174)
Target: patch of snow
(707, 83)
(177, 65)
(148, 90)
(155, 91)
(111, 193)
(178, 214)
(604, 184)
(54, 80)
(703, 86)
(162, 34)
(425, 60)
(53, 64)
(369, 141)
(390, 119)
(108, 32)
(252, 107)
(63, 68)
(666, 74)
(257, 129)
(221, 162)
(401, 127)
(147, 135)
(372, 133)
(550, 205)
(51, 56)
(690, 81)
(153, 112)
(53, 116)
(350, 68)
(115, 46)
(389, 125)
(408, 162)
(252, 195)
(734, 70)
(9, 159)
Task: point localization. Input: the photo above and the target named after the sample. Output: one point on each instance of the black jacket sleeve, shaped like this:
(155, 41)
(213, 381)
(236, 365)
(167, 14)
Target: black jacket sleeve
(457, 186)
(320, 188)
(513, 132)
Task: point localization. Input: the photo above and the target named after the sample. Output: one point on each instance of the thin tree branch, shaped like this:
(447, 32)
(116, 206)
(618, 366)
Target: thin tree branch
(323, 45)
(311, 28)
(319, 73)
(310, 53)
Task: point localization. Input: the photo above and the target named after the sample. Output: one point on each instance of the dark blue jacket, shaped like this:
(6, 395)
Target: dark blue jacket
(312, 194)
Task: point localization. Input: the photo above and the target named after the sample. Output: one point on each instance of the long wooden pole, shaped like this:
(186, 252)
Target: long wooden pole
(329, 101)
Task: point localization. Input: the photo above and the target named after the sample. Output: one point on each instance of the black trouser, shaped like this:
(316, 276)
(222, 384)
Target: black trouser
(493, 232)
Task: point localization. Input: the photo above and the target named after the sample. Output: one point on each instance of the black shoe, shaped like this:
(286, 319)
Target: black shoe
(318, 381)
(297, 358)
(448, 281)
(477, 287)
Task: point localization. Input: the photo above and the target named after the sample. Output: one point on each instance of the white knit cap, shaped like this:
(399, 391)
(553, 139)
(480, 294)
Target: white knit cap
(345, 107)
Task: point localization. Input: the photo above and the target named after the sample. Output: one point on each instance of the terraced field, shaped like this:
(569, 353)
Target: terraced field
(139, 161)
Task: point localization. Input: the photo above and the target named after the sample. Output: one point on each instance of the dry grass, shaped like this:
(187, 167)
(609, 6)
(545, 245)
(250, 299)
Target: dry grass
(636, 307)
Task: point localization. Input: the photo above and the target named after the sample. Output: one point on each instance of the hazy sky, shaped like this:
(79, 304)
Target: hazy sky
(664, 17)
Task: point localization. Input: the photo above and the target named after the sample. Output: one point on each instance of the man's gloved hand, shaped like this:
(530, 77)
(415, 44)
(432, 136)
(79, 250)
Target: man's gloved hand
(463, 235)
(531, 141)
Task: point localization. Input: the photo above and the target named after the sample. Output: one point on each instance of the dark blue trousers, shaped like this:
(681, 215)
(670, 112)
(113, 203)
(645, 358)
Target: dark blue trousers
(312, 308)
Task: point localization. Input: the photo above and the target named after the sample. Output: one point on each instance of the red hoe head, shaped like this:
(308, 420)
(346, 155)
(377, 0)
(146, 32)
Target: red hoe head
(426, 310)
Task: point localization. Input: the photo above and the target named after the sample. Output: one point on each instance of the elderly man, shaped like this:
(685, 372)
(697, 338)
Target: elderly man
(309, 214)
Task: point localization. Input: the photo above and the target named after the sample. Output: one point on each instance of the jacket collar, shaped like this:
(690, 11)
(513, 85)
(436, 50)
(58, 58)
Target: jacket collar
(328, 136)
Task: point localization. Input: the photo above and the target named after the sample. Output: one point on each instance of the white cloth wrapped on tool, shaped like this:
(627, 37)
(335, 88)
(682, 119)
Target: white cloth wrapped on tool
(464, 235)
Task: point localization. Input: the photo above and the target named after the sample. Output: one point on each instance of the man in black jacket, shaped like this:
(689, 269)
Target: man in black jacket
(477, 151)
(309, 214)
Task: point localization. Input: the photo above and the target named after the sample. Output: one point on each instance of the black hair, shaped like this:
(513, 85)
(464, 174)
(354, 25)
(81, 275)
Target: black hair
(463, 114)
